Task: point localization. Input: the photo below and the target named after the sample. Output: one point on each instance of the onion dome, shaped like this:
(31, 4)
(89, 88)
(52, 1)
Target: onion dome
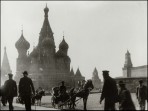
(63, 44)
(22, 43)
(34, 53)
(46, 10)
(60, 53)
(47, 42)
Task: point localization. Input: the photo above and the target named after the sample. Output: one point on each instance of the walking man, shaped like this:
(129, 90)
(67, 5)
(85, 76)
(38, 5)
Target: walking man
(109, 92)
(25, 90)
(125, 99)
(141, 94)
(10, 90)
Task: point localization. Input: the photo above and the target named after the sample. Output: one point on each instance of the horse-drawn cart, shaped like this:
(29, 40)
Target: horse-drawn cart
(69, 98)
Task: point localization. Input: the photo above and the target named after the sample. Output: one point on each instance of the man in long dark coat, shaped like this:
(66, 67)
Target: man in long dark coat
(25, 90)
(141, 94)
(109, 92)
(10, 90)
(3, 98)
(125, 99)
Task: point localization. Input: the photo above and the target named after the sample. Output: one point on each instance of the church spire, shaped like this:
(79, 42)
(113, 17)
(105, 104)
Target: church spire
(46, 29)
(5, 63)
(5, 69)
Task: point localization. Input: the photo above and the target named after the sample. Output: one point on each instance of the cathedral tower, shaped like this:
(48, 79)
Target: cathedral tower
(46, 67)
(96, 80)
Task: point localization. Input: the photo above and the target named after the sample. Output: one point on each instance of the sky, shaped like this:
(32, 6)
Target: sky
(98, 32)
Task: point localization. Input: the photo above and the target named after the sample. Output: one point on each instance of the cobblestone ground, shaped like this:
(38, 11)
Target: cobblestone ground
(92, 104)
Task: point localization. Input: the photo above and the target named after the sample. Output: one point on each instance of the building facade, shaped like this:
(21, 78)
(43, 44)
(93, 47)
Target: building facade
(132, 75)
(130, 71)
(46, 67)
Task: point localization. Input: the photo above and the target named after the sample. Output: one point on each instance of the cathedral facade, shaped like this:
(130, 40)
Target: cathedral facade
(46, 67)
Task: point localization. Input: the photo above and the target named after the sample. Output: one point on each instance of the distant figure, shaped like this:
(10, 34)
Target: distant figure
(10, 90)
(63, 94)
(141, 94)
(25, 90)
(109, 92)
(82, 84)
(125, 100)
(62, 88)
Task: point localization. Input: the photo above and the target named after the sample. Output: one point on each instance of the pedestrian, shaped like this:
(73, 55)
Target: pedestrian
(26, 89)
(109, 92)
(141, 94)
(3, 98)
(125, 100)
(10, 90)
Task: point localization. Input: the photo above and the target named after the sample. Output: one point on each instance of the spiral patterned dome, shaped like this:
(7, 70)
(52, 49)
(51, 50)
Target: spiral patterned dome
(63, 45)
(60, 53)
(47, 42)
(22, 43)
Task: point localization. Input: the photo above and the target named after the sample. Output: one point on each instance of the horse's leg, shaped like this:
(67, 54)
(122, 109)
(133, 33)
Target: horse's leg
(85, 103)
(40, 102)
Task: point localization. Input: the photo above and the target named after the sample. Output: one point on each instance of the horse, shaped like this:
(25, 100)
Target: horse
(84, 93)
(38, 97)
(58, 99)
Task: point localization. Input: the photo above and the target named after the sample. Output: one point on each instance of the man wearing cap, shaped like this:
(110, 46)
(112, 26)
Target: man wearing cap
(109, 92)
(141, 94)
(25, 90)
(10, 90)
(125, 99)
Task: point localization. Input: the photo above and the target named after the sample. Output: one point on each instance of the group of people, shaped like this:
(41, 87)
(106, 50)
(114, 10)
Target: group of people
(112, 94)
(26, 90)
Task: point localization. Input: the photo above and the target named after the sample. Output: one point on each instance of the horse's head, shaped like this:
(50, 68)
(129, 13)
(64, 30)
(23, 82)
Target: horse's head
(42, 92)
(89, 84)
(55, 90)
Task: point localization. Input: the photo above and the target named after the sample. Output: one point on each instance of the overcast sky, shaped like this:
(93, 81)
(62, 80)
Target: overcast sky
(98, 32)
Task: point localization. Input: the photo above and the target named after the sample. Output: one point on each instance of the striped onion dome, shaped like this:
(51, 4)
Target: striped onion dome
(22, 43)
(63, 44)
